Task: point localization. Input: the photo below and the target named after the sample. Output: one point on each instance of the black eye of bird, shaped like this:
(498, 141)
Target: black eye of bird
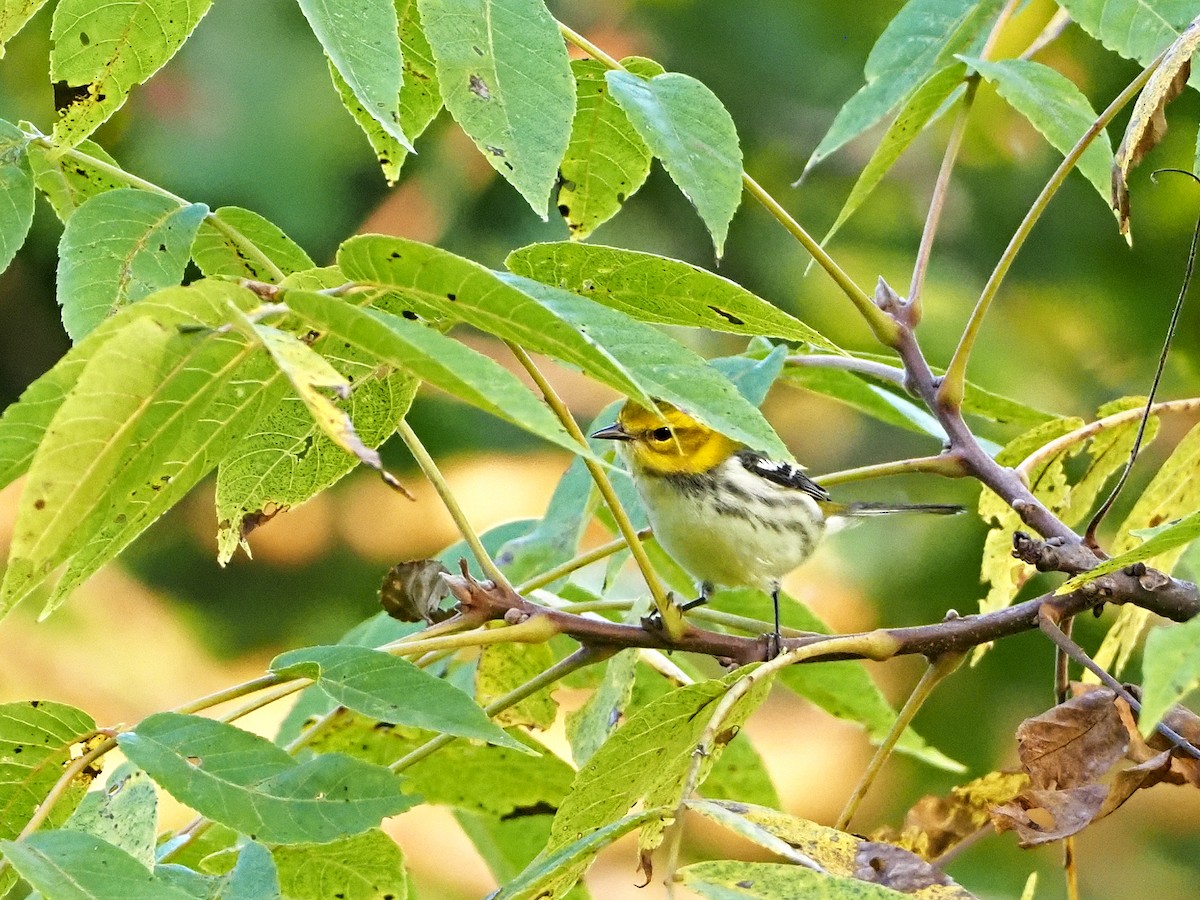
(661, 434)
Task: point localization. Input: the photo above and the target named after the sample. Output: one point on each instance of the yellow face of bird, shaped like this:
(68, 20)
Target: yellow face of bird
(669, 441)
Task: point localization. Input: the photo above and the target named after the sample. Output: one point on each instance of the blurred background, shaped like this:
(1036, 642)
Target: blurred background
(246, 115)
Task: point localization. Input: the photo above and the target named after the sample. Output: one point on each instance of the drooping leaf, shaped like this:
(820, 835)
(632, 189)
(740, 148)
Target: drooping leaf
(606, 160)
(420, 97)
(691, 132)
(1055, 107)
(922, 38)
(68, 180)
(390, 689)
(246, 782)
(125, 813)
(13, 16)
(635, 359)
(918, 111)
(363, 47)
(1170, 670)
(753, 377)
(505, 77)
(16, 187)
(431, 356)
(72, 865)
(1148, 121)
(119, 247)
(238, 243)
(367, 866)
(656, 289)
(100, 51)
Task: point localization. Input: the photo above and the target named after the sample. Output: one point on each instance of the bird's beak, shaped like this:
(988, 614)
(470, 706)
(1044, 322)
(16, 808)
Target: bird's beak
(613, 432)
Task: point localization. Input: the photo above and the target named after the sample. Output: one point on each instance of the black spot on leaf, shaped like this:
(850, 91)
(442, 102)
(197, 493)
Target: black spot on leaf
(479, 88)
(727, 316)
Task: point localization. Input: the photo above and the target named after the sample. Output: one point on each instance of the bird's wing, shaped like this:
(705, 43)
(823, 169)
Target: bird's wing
(781, 473)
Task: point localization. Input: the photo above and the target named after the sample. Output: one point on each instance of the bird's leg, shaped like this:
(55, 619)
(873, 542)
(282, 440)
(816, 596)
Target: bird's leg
(706, 590)
(775, 646)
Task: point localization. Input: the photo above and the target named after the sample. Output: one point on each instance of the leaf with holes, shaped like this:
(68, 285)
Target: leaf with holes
(692, 133)
(505, 77)
(119, 247)
(100, 51)
(68, 180)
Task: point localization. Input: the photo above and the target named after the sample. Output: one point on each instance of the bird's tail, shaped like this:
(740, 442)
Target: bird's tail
(886, 509)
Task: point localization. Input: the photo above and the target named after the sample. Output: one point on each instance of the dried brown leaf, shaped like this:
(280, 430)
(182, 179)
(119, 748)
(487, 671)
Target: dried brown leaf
(1148, 122)
(1073, 743)
(936, 825)
(896, 868)
(411, 591)
(1040, 816)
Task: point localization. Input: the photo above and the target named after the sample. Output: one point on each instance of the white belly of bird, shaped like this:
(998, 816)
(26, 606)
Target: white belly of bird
(752, 540)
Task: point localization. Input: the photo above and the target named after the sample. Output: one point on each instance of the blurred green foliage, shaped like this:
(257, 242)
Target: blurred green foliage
(246, 115)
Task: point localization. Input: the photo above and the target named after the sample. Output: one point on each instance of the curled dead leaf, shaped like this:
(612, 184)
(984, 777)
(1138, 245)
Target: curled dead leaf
(413, 591)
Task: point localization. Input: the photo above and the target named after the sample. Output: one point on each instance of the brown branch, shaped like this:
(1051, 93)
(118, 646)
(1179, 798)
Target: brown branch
(1168, 597)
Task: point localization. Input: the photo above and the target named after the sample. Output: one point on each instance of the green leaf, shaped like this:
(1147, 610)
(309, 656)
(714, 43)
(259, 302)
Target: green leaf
(663, 368)
(859, 394)
(390, 689)
(16, 188)
(125, 813)
(254, 876)
(420, 97)
(922, 38)
(1056, 108)
(13, 16)
(1170, 670)
(656, 289)
(843, 688)
(69, 179)
(553, 873)
(1177, 534)
(692, 133)
(119, 247)
(507, 844)
(237, 243)
(100, 51)
(591, 725)
(1135, 29)
(71, 865)
(753, 377)
(246, 782)
(431, 356)
(38, 738)
(741, 775)
(744, 826)
(727, 879)
(367, 866)
(363, 47)
(1107, 452)
(606, 162)
(636, 360)
(921, 108)
(504, 667)
(555, 537)
(506, 79)
(648, 759)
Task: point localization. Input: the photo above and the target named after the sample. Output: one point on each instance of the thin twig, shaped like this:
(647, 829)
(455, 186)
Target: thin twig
(869, 367)
(1089, 536)
(944, 464)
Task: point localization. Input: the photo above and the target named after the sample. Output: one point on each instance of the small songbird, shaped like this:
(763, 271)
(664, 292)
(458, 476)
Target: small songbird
(727, 514)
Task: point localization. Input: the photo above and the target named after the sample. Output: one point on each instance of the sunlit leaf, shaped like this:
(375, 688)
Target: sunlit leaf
(246, 782)
(922, 38)
(119, 247)
(1170, 670)
(238, 243)
(692, 133)
(431, 356)
(728, 879)
(606, 161)
(68, 180)
(657, 289)
(16, 190)
(390, 689)
(363, 46)
(367, 866)
(1055, 107)
(100, 51)
(506, 79)
(506, 666)
(13, 16)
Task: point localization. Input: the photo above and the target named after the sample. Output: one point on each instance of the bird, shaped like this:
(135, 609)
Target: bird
(728, 514)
